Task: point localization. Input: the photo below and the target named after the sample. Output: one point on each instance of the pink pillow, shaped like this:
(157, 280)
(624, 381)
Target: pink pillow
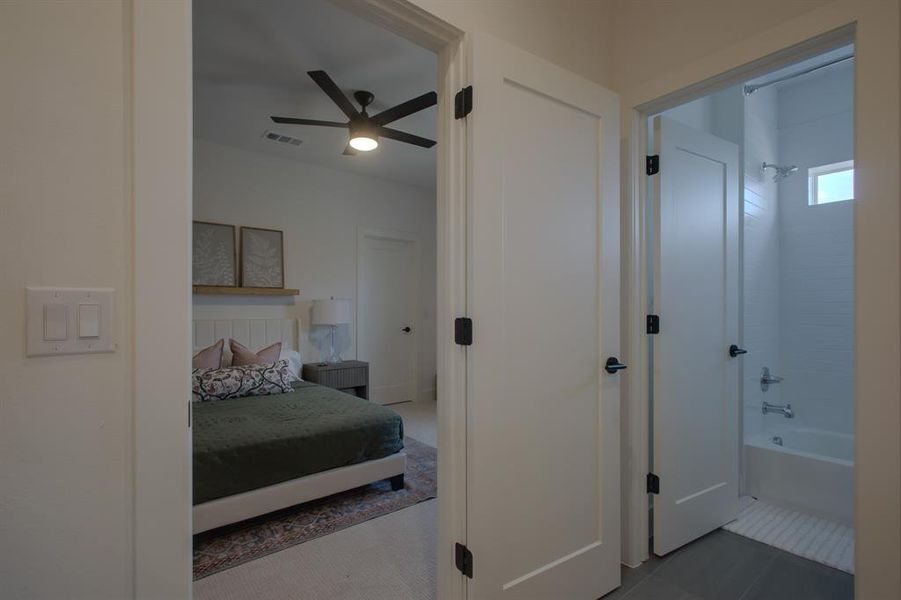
(242, 355)
(209, 358)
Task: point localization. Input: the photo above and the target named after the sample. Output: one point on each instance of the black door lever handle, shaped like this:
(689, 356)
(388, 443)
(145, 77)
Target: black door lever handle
(735, 351)
(613, 365)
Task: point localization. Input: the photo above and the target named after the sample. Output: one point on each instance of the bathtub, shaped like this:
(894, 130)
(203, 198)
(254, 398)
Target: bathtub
(812, 471)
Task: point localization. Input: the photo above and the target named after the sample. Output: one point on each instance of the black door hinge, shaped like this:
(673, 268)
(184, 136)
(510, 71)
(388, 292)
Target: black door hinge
(653, 324)
(463, 103)
(652, 164)
(463, 559)
(653, 485)
(463, 331)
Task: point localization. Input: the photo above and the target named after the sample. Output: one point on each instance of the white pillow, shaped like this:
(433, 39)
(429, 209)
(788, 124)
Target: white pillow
(295, 364)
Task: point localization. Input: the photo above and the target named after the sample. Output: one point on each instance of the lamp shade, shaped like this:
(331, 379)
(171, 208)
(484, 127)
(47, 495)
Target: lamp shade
(334, 311)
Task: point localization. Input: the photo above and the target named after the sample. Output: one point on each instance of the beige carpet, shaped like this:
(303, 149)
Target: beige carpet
(390, 557)
(230, 546)
(420, 421)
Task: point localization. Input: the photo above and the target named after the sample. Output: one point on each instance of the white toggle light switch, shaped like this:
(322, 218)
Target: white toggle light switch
(89, 320)
(69, 321)
(56, 322)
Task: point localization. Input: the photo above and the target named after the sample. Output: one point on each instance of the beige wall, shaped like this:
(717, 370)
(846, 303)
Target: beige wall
(653, 37)
(574, 34)
(66, 426)
(65, 220)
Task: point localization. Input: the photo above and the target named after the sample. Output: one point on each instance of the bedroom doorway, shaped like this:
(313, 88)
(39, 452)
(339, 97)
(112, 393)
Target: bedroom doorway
(582, 556)
(315, 165)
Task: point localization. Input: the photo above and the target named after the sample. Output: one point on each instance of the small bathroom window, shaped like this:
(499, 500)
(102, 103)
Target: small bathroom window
(831, 183)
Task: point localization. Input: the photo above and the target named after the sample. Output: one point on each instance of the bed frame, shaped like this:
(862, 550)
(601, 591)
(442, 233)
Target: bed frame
(257, 333)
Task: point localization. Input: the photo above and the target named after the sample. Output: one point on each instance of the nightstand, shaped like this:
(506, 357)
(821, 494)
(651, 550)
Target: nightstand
(351, 376)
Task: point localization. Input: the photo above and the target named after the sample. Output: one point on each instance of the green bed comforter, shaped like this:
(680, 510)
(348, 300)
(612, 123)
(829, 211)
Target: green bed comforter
(248, 443)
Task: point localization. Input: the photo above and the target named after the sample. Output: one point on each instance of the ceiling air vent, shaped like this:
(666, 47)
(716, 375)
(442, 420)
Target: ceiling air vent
(284, 139)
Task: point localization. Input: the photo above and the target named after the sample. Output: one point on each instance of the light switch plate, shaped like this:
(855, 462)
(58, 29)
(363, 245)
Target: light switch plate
(69, 321)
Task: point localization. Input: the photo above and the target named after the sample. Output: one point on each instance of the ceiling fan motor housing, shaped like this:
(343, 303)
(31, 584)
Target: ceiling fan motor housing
(362, 128)
(364, 98)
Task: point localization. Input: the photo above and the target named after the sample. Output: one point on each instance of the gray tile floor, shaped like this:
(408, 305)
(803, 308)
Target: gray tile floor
(725, 566)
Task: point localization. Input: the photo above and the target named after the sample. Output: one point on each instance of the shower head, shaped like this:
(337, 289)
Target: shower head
(781, 172)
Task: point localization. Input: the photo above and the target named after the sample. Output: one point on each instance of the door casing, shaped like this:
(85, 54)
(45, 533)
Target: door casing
(161, 139)
(873, 29)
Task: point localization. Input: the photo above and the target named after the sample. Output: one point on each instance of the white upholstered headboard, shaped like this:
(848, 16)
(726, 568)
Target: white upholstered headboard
(253, 333)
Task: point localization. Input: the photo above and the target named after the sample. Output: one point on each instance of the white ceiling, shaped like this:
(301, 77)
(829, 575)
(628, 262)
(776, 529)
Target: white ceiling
(251, 59)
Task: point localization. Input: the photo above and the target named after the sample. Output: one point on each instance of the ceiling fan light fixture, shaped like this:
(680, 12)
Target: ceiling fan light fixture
(363, 138)
(364, 143)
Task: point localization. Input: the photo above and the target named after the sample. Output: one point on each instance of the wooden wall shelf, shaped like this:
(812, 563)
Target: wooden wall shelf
(221, 290)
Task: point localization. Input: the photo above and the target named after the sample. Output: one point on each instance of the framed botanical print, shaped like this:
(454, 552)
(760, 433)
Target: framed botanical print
(214, 254)
(262, 258)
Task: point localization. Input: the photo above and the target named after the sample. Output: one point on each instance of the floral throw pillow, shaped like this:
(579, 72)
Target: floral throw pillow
(240, 381)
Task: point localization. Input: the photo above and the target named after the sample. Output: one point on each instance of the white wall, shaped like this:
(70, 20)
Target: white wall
(817, 243)
(320, 211)
(66, 504)
(761, 246)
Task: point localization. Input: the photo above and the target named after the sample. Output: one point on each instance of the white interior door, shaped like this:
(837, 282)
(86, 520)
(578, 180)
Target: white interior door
(543, 500)
(386, 315)
(695, 382)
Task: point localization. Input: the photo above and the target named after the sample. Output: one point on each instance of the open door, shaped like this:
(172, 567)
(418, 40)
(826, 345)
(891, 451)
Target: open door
(695, 381)
(543, 499)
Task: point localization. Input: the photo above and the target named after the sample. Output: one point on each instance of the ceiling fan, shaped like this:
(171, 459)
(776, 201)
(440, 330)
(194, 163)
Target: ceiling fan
(365, 130)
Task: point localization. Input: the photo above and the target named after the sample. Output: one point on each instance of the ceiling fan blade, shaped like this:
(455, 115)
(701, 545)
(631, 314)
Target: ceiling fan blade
(349, 151)
(407, 108)
(334, 92)
(409, 138)
(294, 121)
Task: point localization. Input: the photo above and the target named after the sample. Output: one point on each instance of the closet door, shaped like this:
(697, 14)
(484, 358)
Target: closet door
(543, 490)
(695, 379)
(387, 289)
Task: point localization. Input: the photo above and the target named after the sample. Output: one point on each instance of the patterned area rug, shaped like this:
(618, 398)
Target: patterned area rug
(236, 544)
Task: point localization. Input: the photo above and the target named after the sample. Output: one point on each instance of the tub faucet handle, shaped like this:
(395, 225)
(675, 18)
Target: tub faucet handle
(766, 378)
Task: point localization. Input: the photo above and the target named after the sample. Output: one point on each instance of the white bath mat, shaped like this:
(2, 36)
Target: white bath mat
(811, 537)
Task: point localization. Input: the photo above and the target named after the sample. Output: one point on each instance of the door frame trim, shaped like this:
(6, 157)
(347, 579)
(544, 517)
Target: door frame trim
(636, 433)
(161, 171)
(395, 235)
(873, 28)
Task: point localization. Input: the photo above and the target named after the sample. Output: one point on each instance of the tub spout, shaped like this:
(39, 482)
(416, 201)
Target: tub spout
(783, 409)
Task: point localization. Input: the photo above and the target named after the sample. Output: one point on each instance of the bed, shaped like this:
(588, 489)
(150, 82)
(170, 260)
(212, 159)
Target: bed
(258, 454)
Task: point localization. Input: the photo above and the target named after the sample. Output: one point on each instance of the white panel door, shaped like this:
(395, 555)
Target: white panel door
(386, 311)
(543, 499)
(695, 382)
